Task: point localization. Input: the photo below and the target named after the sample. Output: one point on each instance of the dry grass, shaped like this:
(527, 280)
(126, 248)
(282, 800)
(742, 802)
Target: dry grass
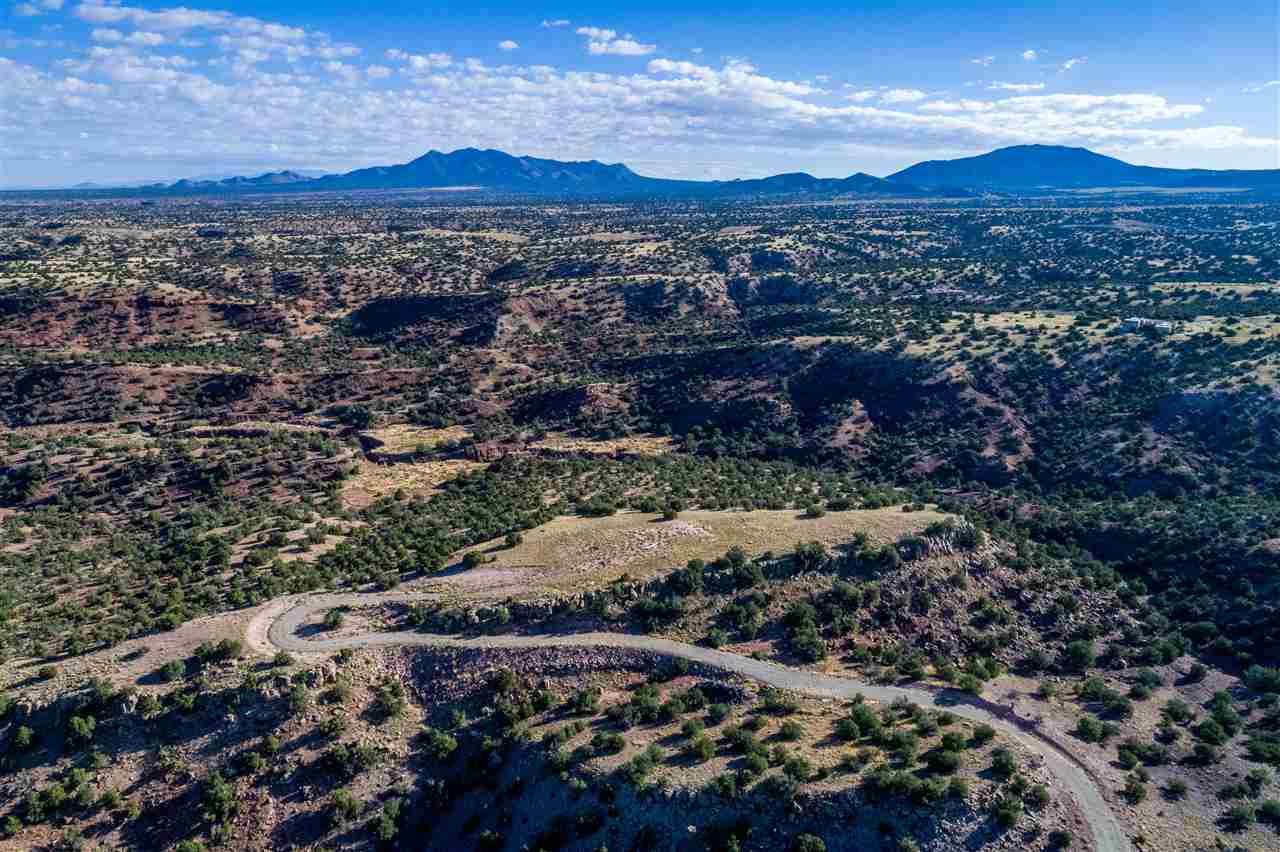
(571, 553)
(1042, 330)
(403, 438)
(499, 236)
(1239, 329)
(645, 445)
(1215, 287)
(373, 480)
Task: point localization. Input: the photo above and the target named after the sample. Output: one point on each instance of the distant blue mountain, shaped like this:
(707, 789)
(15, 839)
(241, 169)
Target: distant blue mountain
(491, 169)
(1023, 168)
(472, 168)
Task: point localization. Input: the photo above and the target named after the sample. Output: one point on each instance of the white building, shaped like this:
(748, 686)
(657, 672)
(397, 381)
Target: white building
(1148, 324)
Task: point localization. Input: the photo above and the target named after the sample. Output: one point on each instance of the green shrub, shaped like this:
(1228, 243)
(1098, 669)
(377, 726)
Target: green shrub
(808, 843)
(344, 807)
(982, 734)
(172, 671)
(438, 744)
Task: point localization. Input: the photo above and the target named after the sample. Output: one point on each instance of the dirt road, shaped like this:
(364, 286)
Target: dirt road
(276, 628)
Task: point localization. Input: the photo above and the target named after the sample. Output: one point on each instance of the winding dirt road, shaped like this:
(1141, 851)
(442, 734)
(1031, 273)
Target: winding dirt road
(277, 626)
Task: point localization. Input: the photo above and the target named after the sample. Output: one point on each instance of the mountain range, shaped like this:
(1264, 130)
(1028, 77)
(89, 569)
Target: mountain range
(1017, 169)
(471, 168)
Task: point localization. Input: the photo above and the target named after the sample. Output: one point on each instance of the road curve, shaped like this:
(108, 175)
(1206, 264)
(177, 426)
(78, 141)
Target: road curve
(289, 615)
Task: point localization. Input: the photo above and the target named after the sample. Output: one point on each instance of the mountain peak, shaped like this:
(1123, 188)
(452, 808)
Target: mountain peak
(1021, 167)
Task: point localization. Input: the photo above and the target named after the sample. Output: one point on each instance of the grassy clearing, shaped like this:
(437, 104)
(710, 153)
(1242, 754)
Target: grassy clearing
(572, 553)
(1042, 330)
(1236, 330)
(403, 438)
(373, 480)
(645, 445)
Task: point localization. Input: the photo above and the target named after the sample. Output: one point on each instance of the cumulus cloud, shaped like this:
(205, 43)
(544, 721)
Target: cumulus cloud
(1072, 63)
(333, 51)
(347, 73)
(181, 18)
(1015, 87)
(508, 44)
(420, 62)
(604, 41)
(885, 94)
(145, 39)
(957, 106)
(558, 22)
(736, 80)
(984, 61)
(245, 40)
(38, 7)
(1030, 55)
(902, 96)
(622, 47)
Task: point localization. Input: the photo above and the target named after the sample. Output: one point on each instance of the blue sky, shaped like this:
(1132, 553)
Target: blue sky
(97, 91)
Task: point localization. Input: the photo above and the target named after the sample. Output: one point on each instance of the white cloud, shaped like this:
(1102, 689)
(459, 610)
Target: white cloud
(984, 61)
(957, 106)
(602, 41)
(335, 51)
(1270, 84)
(1072, 63)
(902, 96)
(343, 71)
(246, 41)
(508, 44)
(417, 62)
(39, 7)
(558, 22)
(736, 80)
(1016, 87)
(378, 72)
(886, 95)
(182, 18)
(145, 39)
(1030, 55)
(621, 47)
